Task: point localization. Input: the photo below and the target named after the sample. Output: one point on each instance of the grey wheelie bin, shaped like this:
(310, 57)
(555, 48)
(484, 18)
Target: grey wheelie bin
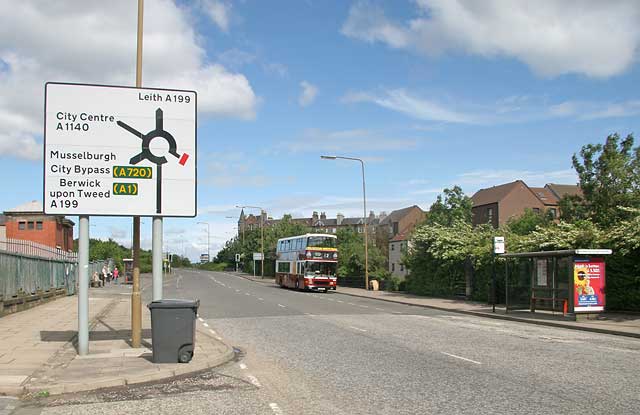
(173, 330)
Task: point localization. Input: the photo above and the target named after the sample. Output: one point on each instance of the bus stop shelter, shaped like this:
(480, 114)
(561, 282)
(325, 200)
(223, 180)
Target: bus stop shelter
(568, 281)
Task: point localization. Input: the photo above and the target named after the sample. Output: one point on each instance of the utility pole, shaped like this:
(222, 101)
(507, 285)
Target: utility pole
(136, 303)
(364, 217)
(208, 240)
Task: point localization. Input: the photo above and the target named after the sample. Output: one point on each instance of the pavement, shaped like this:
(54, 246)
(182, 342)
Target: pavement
(38, 355)
(619, 324)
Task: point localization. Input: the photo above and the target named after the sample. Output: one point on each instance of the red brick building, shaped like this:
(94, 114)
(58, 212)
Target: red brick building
(28, 222)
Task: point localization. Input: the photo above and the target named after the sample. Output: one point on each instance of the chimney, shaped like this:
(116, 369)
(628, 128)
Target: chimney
(382, 215)
(323, 216)
(339, 219)
(371, 215)
(264, 216)
(314, 216)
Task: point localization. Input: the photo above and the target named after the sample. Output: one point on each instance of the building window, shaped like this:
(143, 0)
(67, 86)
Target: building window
(395, 228)
(39, 225)
(490, 215)
(536, 210)
(401, 267)
(393, 267)
(359, 229)
(393, 247)
(31, 225)
(22, 225)
(553, 212)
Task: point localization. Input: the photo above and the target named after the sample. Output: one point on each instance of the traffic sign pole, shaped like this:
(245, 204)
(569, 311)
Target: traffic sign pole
(136, 300)
(156, 245)
(83, 286)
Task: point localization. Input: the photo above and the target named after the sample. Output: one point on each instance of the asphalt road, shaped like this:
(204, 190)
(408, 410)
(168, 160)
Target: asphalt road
(328, 353)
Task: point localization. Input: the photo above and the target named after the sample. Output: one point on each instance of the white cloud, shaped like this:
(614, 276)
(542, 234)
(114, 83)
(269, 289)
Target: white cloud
(553, 37)
(588, 110)
(276, 68)
(236, 170)
(423, 109)
(88, 42)
(219, 13)
(308, 95)
(315, 140)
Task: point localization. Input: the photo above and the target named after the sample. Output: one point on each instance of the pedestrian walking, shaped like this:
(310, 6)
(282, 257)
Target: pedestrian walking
(116, 273)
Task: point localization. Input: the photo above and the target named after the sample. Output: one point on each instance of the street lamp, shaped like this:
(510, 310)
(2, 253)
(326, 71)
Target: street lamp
(364, 218)
(208, 241)
(261, 235)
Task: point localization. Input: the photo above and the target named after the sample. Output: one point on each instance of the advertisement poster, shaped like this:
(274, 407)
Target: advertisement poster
(588, 284)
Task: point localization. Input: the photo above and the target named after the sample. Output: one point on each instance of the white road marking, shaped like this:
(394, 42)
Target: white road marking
(350, 303)
(461, 358)
(212, 331)
(237, 291)
(247, 294)
(359, 329)
(379, 309)
(242, 366)
(261, 299)
(254, 381)
(363, 306)
(205, 324)
(340, 301)
(283, 306)
(275, 408)
(201, 319)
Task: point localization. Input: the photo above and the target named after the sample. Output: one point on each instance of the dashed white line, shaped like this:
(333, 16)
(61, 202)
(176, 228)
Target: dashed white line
(261, 299)
(363, 306)
(254, 381)
(357, 328)
(379, 309)
(275, 408)
(283, 306)
(212, 331)
(461, 358)
(242, 366)
(205, 324)
(340, 301)
(247, 294)
(201, 319)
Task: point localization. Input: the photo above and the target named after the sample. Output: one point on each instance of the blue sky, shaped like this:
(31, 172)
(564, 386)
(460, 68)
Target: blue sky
(431, 93)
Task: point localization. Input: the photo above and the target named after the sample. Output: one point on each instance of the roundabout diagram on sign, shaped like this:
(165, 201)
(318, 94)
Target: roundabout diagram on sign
(146, 153)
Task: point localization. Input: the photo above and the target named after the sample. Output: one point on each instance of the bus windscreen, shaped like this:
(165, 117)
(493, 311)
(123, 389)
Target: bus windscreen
(322, 268)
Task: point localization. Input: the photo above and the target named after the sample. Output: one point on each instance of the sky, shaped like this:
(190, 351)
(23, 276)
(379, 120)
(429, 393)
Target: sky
(430, 93)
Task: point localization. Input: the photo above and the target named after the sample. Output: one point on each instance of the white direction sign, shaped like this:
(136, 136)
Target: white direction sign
(122, 151)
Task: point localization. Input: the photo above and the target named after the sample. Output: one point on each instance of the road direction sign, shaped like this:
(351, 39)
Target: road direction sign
(498, 245)
(113, 150)
(257, 256)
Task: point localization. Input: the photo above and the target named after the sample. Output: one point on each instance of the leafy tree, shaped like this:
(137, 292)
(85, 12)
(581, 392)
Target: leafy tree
(573, 208)
(610, 178)
(528, 222)
(351, 255)
(454, 206)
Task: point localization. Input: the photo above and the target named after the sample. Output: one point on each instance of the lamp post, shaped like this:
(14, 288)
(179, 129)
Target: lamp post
(208, 241)
(364, 217)
(261, 235)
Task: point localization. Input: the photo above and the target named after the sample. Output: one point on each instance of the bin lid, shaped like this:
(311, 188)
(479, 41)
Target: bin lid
(174, 303)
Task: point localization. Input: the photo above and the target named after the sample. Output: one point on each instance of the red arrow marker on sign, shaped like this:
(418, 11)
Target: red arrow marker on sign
(183, 159)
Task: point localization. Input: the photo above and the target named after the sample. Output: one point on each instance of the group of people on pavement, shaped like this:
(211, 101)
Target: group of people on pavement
(106, 276)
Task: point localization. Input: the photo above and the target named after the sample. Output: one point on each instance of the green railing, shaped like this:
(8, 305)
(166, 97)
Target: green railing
(25, 275)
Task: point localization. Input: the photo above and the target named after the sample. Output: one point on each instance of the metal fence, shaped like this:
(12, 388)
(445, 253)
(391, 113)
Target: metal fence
(30, 248)
(25, 275)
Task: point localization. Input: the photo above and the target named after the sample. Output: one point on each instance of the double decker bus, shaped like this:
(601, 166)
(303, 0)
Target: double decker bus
(307, 262)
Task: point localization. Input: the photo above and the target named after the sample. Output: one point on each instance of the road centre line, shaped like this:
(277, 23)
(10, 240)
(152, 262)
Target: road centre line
(359, 329)
(261, 299)
(212, 331)
(461, 358)
(247, 294)
(340, 301)
(254, 381)
(201, 319)
(205, 324)
(275, 408)
(379, 309)
(283, 306)
(242, 366)
(363, 306)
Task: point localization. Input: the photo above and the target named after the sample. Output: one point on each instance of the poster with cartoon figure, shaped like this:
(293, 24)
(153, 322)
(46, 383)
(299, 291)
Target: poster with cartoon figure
(589, 284)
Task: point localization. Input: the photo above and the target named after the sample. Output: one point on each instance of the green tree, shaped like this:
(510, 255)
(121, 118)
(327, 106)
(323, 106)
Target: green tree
(454, 206)
(610, 178)
(528, 222)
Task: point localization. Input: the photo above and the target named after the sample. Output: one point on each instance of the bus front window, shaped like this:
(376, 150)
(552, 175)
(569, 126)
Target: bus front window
(321, 268)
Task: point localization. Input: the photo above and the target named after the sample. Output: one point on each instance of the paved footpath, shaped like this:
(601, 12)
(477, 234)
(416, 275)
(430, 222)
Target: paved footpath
(38, 350)
(607, 323)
